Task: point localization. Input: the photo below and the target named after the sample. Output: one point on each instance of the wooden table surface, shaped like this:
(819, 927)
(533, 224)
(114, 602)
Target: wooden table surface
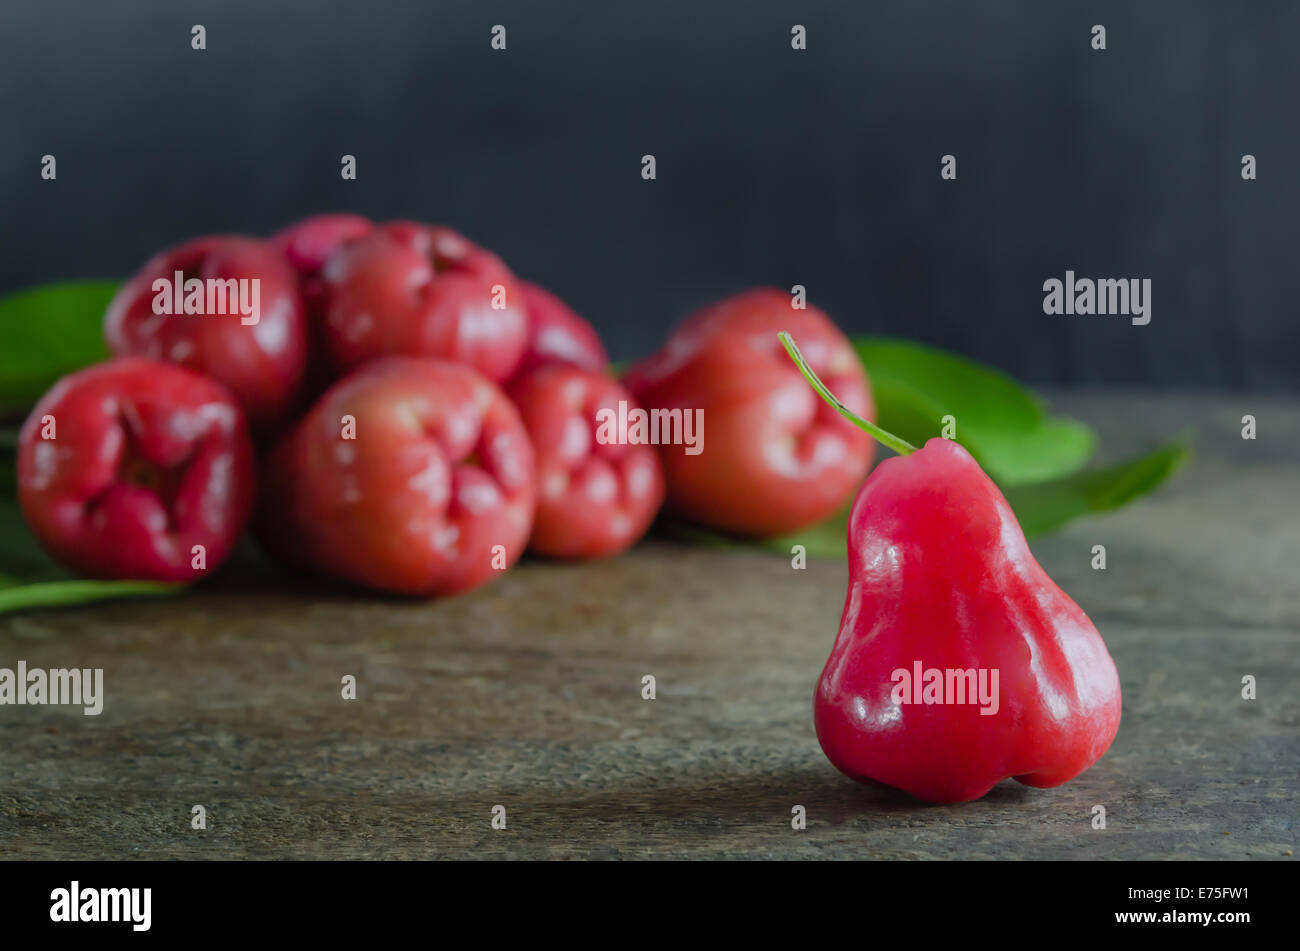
(527, 694)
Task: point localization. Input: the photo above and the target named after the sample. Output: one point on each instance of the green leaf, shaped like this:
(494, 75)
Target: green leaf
(49, 332)
(1046, 506)
(30, 578)
(1005, 427)
(64, 593)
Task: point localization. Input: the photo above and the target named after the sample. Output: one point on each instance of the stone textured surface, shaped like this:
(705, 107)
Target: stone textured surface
(528, 694)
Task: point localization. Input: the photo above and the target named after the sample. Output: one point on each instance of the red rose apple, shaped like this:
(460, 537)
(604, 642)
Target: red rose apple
(308, 243)
(558, 335)
(412, 289)
(226, 307)
(137, 469)
(775, 458)
(412, 475)
(594, 497)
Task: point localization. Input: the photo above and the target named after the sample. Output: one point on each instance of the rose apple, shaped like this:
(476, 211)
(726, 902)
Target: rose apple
(558, 335)
(226, 307)
(137, 469)
(308, 243)
(413, 289)
(775, 458)
(594, 497)
(411, 475)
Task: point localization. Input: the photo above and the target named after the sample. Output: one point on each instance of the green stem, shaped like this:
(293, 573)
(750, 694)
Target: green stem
(900, 446)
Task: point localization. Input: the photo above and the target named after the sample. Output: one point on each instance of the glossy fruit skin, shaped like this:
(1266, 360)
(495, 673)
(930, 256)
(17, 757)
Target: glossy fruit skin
(439, 472)
(307, 244)
(594, 498)
(558, 335)
(939, 572)
(262, 363)
(420, 290)
(776, 458)
(147, 461)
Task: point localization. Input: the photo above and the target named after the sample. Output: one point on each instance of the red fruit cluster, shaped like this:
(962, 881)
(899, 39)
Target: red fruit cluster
(364, 368)
(421, 416)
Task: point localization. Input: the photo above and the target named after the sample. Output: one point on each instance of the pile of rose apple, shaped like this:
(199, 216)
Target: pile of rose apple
(406, 414)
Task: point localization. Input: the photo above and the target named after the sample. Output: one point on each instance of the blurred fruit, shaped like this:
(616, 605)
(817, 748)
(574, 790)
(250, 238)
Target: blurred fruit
(412, 475)
(259, 352)
(125, 467)
(594, 498)
(417, 290)
(558, 335)
(775, 458)
(306, 244)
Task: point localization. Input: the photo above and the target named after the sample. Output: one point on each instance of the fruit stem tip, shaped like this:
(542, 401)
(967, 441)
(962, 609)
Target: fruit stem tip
(900, 446)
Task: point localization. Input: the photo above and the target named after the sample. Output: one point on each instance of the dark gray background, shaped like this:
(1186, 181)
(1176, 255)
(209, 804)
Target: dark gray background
(775, 167)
